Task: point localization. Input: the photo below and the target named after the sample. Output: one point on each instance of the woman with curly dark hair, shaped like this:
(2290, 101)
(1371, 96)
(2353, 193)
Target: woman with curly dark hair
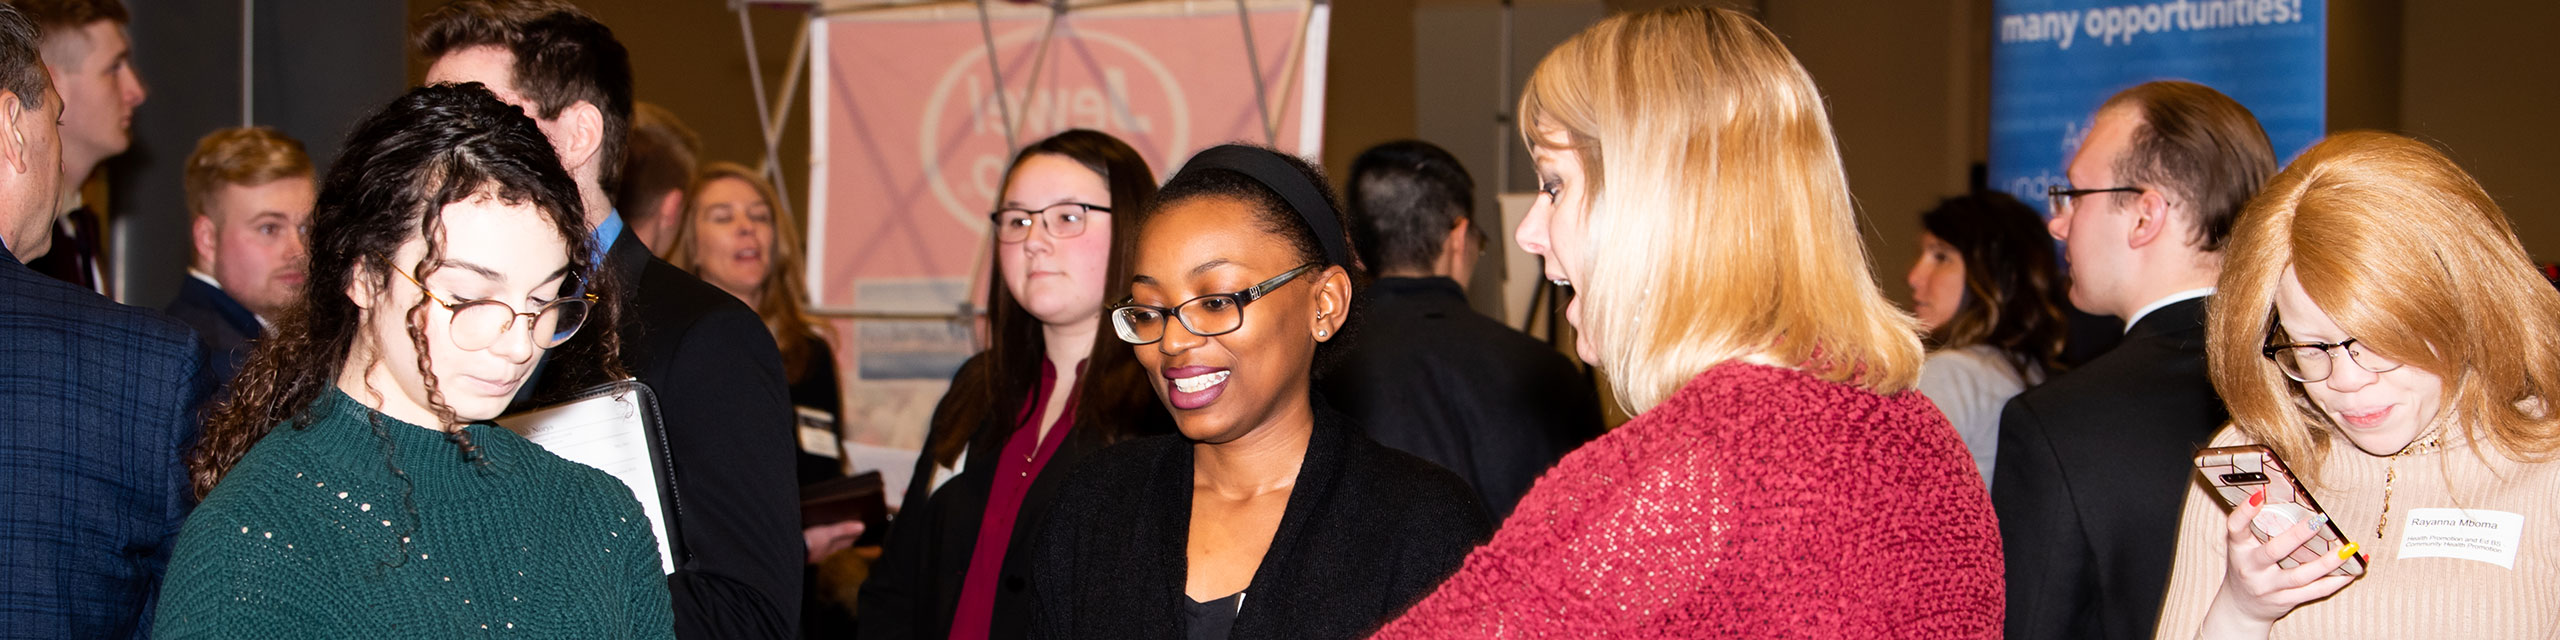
(352, 485)
(1989, 295)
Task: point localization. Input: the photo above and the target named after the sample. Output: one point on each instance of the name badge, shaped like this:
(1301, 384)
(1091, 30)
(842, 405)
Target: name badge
(2468, 534)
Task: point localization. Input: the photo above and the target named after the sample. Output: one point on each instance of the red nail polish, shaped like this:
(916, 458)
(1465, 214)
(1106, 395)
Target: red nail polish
(2255, 498)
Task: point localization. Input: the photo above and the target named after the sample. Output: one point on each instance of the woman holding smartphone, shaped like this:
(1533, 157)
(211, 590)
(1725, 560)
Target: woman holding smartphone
(2379, 326)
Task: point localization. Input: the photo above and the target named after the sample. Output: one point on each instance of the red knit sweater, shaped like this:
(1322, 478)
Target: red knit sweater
(1755, 502)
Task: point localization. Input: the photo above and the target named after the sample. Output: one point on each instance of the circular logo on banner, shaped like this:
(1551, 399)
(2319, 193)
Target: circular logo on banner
(1089, 80)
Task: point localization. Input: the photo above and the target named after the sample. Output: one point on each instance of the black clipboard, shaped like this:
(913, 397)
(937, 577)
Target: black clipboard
(615, 428)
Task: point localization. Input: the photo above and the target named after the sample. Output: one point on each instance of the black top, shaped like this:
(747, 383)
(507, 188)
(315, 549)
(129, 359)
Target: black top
(2092, 472)
(1430, 376)
(914, 589)
(730, 429)
(1368, 530)
(226, 328)
(1212, 620)
(97, 410)
(817, 390)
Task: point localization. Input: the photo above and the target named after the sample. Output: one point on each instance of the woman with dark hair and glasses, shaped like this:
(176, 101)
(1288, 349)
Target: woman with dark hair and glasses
(1052, 387)
(1987, 292)
(1269, 515)
(2380, 328)
(352, 484)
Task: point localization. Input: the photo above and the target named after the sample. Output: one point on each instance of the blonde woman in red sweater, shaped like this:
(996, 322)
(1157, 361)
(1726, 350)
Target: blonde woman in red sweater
(1780, 477)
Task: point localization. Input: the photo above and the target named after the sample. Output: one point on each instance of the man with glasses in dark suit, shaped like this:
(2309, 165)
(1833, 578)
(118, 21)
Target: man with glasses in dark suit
(2093, 465)
(97, 402)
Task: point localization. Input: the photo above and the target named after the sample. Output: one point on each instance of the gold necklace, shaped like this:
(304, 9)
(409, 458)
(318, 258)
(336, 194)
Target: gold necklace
(2391, 471)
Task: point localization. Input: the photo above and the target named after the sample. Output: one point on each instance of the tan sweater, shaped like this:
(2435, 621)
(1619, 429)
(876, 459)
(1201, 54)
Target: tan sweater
(2415, 597)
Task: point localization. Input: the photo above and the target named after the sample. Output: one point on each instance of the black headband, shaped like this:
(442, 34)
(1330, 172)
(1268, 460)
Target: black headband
(1305, 198)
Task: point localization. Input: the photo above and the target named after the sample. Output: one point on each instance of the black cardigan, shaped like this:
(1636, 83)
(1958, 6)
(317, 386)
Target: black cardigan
(1367, 532)
(914, 588)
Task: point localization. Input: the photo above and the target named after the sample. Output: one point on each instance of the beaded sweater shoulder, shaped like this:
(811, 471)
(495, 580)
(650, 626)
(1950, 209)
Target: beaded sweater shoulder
(354, 524)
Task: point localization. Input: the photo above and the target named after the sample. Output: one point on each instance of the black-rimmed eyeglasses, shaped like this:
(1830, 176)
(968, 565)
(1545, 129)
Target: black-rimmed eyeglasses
(1064, 219)
(2058, 199)
(1209, 315)
(2310, 361)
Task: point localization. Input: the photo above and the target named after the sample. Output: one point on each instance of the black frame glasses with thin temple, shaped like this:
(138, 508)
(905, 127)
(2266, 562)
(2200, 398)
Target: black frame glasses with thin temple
(2310, 361)
(471, 318)
(2057, 198)
(1064, 220)
(1209, 315)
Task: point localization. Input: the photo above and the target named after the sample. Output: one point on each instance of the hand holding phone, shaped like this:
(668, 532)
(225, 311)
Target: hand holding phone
(2237, 473)
(2265, 575)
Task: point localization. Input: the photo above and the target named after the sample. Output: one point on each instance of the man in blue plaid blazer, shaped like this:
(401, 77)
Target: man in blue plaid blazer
(97, 410)
(97, 404)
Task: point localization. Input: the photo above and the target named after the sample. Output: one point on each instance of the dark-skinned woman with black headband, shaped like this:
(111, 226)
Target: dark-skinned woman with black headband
(1269, 515)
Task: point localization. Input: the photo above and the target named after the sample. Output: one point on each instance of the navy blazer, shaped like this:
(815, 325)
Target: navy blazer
(100, 406)
(227, 329)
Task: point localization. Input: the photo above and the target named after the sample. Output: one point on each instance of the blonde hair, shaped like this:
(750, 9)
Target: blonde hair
(242, 156)
(2408, 255)
(1717, 192)
(778, 301)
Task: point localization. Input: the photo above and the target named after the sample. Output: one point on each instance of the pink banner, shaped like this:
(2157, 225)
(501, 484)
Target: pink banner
(910, 148)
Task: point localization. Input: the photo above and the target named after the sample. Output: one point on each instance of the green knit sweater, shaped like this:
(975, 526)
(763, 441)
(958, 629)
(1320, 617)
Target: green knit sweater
(305, 539)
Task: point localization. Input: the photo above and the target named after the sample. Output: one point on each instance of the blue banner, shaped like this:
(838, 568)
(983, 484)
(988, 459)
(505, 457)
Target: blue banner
(2054, 61)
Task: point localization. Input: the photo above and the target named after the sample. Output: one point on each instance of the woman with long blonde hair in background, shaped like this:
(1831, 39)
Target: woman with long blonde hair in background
(738, 235)
(2381, 329)
(1780, 477)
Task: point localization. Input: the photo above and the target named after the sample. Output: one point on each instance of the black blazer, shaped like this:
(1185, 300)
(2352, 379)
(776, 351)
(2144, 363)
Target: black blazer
(2092, 472)
(1433, 378)
(818, 389)
(914, 588)
(731, 431)
(1368, 531)
(226, 328)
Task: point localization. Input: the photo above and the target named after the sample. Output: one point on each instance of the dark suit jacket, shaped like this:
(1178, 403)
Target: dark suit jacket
(914, 589)
(731, 430)
(818, 389)
(1368, 531)
(2092, 472)
(73, 258)
(226, 328)
(1430, 376)
(97, 407)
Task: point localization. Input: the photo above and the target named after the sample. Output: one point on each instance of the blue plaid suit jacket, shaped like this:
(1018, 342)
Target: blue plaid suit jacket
(98, 404)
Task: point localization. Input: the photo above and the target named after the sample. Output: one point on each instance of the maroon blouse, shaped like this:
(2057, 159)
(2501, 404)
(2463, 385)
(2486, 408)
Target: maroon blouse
(1019, 464)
